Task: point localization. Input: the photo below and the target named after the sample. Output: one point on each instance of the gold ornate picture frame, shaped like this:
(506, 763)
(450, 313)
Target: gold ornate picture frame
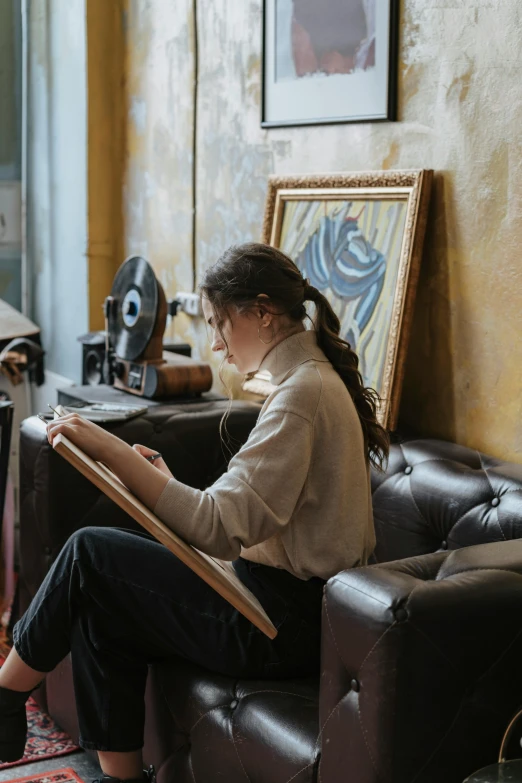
(358, 237)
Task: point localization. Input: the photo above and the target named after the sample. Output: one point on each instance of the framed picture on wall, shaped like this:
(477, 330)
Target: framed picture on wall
(358, 239)
(327, 61)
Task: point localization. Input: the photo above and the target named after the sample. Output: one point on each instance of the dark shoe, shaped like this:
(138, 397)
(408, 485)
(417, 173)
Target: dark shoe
(13, 723)
(149, 776)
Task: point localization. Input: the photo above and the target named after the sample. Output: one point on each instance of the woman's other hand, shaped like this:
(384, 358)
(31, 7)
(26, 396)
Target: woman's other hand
(99, 444)
(158, 463)
(146, 483)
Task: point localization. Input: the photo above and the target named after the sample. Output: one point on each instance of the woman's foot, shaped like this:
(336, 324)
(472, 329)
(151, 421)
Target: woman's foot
(13, 723)
(149, 776)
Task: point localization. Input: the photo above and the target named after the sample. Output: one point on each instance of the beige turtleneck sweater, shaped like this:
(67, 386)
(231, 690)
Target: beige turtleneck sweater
(297, 494)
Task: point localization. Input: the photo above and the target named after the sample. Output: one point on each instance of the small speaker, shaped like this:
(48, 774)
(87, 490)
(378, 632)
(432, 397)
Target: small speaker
(93, 355)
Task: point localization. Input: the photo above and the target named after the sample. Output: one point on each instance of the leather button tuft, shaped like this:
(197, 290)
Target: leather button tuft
(355, 685)
(408, 469)
(401, 615)
(47, 550)
(233, 704)
(444, 545)
(495, 501)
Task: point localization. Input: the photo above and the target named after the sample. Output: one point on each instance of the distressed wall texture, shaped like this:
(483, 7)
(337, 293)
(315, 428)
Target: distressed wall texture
(57, 217)
(10, 133)
(460, 113)
(9, 90)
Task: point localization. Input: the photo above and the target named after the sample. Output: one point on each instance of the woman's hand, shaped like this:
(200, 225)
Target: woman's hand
(88, 436)
(158, 463)
(129, 464)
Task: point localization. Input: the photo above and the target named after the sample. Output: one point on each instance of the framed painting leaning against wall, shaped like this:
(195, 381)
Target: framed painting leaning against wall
(358, 239)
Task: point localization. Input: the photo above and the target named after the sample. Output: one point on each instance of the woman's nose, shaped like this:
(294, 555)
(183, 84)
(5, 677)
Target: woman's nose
(217, 343)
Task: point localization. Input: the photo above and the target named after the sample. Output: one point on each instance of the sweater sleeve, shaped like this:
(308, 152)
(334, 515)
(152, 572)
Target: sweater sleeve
(254, 499)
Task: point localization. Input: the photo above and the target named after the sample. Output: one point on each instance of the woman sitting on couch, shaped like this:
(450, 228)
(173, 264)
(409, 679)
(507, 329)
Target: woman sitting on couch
(293, 509)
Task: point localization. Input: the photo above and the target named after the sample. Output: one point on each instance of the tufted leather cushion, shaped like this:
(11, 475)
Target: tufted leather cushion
(436, 496)
(256, 724)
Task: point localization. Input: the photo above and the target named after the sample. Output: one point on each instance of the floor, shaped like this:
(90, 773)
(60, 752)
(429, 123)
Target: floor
(82, 763)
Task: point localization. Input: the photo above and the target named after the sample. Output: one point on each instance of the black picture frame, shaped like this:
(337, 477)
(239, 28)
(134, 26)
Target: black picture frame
(391, 103)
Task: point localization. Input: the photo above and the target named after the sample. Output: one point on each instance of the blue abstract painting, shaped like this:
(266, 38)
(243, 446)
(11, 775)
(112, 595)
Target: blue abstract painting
(351, 251)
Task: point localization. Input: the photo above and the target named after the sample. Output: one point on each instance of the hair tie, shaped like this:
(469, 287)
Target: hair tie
(310, 292)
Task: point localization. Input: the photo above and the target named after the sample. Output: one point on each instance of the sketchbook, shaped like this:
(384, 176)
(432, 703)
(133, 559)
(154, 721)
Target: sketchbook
(219, 574)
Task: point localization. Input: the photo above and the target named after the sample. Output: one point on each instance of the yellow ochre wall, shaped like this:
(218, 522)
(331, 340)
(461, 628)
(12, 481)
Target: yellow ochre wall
(106, 150)
(460, 113)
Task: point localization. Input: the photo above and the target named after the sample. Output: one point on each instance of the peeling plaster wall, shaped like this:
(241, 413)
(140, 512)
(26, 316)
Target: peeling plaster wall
(460, 113)
(10, 135)
(57, 180)
(10, 89)
(158, 186)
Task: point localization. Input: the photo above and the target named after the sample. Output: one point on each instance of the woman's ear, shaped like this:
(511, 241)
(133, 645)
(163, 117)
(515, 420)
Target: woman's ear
(261, 308)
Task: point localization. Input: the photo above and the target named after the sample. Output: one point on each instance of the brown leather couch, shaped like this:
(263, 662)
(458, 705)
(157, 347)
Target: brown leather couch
(421, 651)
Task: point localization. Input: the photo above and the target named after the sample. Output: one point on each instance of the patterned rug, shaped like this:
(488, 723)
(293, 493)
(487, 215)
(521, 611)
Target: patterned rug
(44, 739)
(66, 775)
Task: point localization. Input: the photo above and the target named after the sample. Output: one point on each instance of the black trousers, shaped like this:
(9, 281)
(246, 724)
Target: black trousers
(118, 600)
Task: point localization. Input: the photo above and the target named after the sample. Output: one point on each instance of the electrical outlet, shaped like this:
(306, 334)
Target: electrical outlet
(190, 303)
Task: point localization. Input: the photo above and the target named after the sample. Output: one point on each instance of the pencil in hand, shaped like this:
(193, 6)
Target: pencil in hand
(41, 416)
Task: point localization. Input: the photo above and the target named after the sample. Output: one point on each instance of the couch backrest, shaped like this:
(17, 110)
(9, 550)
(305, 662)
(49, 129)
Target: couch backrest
(436, 495)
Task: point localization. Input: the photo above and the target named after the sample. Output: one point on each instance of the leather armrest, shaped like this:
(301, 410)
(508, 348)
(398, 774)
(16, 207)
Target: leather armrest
(421, 665)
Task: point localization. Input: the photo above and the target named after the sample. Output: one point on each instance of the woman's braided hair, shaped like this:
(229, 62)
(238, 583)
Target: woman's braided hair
(245, 271)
